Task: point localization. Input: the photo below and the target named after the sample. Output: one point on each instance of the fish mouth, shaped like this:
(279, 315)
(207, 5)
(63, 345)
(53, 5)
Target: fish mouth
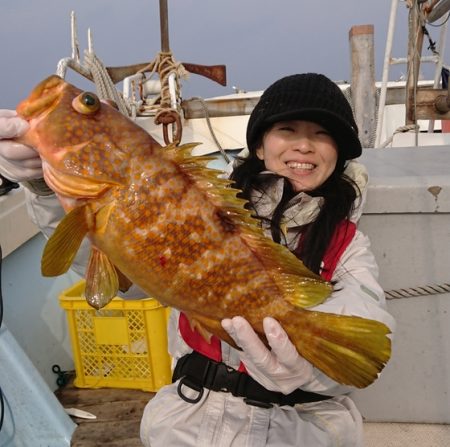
(42, 98)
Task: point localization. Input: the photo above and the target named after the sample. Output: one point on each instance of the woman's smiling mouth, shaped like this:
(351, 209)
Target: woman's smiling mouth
(298, 165)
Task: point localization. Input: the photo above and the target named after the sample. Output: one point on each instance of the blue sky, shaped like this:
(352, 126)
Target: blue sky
(258, 40)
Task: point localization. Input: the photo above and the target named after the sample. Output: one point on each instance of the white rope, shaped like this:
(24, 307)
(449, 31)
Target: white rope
(103, 82)
(211, 130)
(401, 129)
(417, 291)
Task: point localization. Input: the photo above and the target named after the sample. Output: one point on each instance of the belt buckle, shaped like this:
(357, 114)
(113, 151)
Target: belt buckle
(226, 379)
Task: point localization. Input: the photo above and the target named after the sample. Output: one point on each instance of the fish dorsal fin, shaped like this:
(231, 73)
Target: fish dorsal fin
(218, 189)
(64, 243)
(302, 287)
(102, 282)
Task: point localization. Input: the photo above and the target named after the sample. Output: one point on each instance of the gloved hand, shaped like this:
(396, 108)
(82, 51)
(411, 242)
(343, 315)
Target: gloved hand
(18, 162)
(279, 369)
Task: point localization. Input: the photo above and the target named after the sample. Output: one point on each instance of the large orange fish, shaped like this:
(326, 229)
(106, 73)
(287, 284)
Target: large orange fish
(160, 218)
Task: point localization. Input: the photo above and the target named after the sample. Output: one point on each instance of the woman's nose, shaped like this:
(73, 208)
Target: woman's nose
(303, 144)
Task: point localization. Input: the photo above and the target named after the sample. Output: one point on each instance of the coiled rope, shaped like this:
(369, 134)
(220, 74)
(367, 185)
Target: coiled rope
(164, 64)
(103, 82)
(434, 289)
(401, 129)
(165, 111)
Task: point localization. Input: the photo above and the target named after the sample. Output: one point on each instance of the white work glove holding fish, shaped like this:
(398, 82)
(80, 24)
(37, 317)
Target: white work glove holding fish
(280, 369)
(18, 163)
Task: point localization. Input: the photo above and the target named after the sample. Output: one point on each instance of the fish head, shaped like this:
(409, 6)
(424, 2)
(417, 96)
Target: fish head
(85, 144)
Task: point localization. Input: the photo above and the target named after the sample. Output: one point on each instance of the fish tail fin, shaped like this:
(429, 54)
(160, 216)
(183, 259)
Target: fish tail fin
(351, 350)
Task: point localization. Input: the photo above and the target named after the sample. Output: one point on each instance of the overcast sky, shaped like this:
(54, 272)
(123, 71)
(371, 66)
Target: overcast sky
(258, 40)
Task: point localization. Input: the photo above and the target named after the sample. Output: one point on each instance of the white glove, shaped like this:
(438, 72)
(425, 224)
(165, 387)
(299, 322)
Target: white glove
(18, 162)
(281, 369)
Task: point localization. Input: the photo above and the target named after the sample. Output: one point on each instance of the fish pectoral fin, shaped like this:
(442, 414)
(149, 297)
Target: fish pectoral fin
(102, 282)
(64, 243)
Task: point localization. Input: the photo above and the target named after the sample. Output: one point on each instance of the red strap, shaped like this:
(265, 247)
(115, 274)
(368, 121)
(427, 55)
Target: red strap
(342, 236)
(194, 340)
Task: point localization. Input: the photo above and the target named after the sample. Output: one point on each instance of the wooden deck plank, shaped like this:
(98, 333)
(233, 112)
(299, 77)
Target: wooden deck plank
(114, 411)
(118, 412)
(70, 395)
(111, 434)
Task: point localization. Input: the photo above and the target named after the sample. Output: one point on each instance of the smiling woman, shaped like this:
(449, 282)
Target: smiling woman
(303, 129)
(302, 151)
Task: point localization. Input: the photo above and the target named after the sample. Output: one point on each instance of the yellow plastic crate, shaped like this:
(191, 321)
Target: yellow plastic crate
(123, 345)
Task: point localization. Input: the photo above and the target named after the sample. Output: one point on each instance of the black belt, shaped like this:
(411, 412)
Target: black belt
(197, 372)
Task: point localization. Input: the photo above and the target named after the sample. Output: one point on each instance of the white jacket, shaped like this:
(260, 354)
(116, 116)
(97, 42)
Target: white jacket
(222, 420)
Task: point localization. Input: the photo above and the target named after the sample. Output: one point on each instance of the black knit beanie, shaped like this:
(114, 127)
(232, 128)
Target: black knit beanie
(309, 97)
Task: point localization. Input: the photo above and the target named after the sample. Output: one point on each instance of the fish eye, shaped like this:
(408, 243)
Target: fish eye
(86, 103)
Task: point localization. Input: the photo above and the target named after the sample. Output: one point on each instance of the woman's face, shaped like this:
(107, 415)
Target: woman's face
(302, 151)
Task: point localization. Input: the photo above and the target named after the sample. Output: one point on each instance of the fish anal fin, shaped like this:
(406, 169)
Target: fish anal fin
(197, 326)
(102, 282)
(124, 282)
(64, 243)
(207, 326)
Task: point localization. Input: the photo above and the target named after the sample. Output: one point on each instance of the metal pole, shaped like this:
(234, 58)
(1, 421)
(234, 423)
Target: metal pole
(414, 54)
(387, 57)
(439, 64)
(164, 25)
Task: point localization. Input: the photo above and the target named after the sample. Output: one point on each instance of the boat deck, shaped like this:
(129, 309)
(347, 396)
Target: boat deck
(119, 413)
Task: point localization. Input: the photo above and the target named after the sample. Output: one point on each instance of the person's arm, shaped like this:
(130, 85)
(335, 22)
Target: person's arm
(18, 163)
(22, 164)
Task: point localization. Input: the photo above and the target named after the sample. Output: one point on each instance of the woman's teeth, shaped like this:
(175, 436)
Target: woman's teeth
(296, 165)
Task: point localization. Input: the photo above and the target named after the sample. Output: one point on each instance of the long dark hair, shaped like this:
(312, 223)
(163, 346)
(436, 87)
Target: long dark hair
(339, 194)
